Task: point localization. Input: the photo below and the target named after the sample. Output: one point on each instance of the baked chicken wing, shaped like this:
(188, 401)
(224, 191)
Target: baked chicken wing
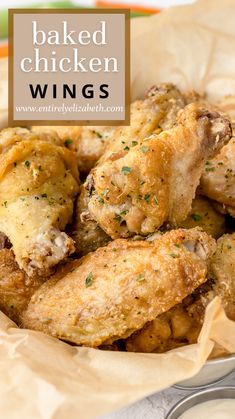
(153, 114)
(218, 179)
(136, 190)
(89, 143)
(204, 215)
(223, 271)
(109, 294)
(38, 185)
(16, 287)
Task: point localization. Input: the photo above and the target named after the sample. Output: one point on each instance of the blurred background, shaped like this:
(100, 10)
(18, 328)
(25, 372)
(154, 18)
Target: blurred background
(138, 8)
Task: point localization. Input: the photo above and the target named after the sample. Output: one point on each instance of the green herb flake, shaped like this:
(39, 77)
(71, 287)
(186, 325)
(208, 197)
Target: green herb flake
(155, 199)
(118, 218)
(173, 255)
(100, 200)
(126, 148)
(147, 197)
(126, 170)
(99, 135)
(140, 278)
(89, 280)
(68, 142)
(144, 148)
(196, 217)
(124, 212)
(44, 195)
(105, 192)
(5, 204)
(210, 169)
(27, 163)
(133, 143)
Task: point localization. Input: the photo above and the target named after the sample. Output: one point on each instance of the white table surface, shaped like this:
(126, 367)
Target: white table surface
(158, 405)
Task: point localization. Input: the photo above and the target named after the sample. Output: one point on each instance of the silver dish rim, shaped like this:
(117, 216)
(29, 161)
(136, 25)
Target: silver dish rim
(216, 361)
(196, 395)
(202, 386)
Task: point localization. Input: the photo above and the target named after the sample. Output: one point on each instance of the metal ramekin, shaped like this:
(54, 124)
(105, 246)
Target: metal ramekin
(212, 372)
(225, 392)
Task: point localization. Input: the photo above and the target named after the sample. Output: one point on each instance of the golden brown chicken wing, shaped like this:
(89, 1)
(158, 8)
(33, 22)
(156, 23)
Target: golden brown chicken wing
(177, 327)
(116, 290)
(38, 185)
(89, 143)
(135, 191)
(182, 324)
(218, 179)
(223, 271)
(153, 114)
(16, 287)
(204, 215)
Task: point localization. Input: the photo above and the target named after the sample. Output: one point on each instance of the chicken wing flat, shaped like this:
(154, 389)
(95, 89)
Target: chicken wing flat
(204, 215)
(38, 185)
(116, 290)
(181, 325)
(177, 327)
(218, 179)
(89, 143)
(135, 191)
(223, 271)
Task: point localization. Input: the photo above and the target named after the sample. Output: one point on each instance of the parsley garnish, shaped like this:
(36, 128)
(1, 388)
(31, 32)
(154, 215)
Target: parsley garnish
(144, 148)
(99, 135)
(140, 278)
(89, 280)
(126, 170)
(68, 142)
(196, 217)
(27, 163)
(147, 197)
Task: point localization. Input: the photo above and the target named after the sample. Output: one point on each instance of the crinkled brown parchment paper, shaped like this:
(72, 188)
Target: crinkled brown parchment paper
(43, 378)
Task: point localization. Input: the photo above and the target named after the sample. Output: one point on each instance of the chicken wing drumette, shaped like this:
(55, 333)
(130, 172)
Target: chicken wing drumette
(109, 294)
(153, 114)
(136, 190)
(38, 185)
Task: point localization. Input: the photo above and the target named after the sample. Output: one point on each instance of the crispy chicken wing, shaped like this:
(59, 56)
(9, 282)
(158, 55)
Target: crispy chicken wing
(153, 114)
(182, 324)
(89, 143)
(38, 185)
(116, 290)
(136, 190)
(218, 179)
(177, 327)
(223, 271)
(16, 287)
(204, 215)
